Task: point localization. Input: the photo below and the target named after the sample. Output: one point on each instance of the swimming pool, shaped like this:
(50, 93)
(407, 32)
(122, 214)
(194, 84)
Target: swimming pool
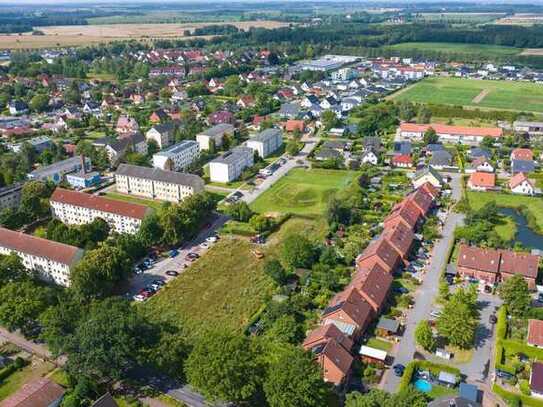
(423, 385)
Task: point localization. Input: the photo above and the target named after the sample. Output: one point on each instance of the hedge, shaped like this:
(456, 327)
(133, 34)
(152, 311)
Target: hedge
(501, 332)
(7, 371)
(434, 368)
(514, 399)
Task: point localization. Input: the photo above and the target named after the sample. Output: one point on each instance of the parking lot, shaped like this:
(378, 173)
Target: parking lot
(159, 269)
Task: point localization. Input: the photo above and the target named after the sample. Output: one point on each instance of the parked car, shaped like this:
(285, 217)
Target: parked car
(139, 298)
(398, 369)
(212, 239)
(435, 313)
(400, 290)
(204, 245)
(492, 319)
(192, 256)
(504, 375)
(172, 273)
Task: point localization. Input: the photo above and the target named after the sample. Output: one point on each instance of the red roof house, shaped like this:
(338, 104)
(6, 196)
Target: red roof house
(522, 154)
(323, 334)
(482, 181)
(39, 393)
(402, 161)
(482, 264)
(293, 125)
(535, 333)
(374, 285)
(334, 360)
(379, 251)
(400, 237)
(525, 264)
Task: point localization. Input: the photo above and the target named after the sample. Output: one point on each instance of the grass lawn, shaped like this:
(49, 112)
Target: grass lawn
(222, 289)
(132, 199)
(460, 355)
(302, 191)
(441, 391)
(504, 95)
(59, 376)
(32, 371)
(483, 50)
(533, 204)
(379, 344)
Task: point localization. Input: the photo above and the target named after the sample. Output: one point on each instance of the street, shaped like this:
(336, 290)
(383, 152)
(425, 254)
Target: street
(425, 295)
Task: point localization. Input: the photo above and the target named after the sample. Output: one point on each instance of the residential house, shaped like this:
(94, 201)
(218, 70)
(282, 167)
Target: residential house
(178, 157)
(427, 174)
(402, 147)
(401, 161)
(482, 181)
(536, 379)
(17, 107)
(374, 285)
(126, 125)
(401, 238)
(520, 184)
(79, 208)
(349, 312)
(327, 154)
(289, 111)
(522, 154)
(295, 125)
(535, 333)
(369, 157)
(525, 166)
(525, 264)
(477, 152)
(10, 196)
(158, 116)
(221, 117)
(441, 159)
(41, 392)
(229, 166)
(83, 179)
(266, 142)
(161, 134)
(246, 101)
(449, 134)
(532, 128)
(213, 137)
(405, 212)
(379, 251)
(480, 164)
(334, 360)
(154, 183)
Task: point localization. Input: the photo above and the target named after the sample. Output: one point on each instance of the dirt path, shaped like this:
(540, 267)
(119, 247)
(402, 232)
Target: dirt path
(479, 98)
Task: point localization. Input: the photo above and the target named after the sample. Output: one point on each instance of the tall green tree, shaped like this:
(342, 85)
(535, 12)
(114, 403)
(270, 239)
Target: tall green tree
(424, 336)
(459, 319)
(297, 251)
(516, 295)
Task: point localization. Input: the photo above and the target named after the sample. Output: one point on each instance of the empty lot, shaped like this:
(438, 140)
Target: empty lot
(80, 35)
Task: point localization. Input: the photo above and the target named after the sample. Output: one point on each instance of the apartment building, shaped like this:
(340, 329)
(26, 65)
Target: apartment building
(162, 134)
(52, 261)
(266, 142)
(448, 134)
(213, 137)
(154, 183)
(10, 196)
(56, 171)
(532, 128)
(78, 208)
(229, 166)
(178, 157)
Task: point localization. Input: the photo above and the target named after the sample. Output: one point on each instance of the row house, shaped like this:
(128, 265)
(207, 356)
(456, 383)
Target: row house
(449, 134)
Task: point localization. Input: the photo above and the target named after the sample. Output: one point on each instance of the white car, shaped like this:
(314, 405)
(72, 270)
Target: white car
(139, 298)
(204, 245)
(211, 239)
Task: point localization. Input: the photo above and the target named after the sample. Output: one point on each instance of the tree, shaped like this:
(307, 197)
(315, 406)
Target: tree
(261, 223)
(108, 340)
(286, 329)
(293, 379)
(99, 271)
(152, 148)
(11, 268)
(329, 119)
(150, 231)
(424, 115)
(406, 110)
(297, 251)
(516, 295)
(292, 148)
(459, 319)
(239, 211)
(424, 336)
(409, 397)
(39, 103)
(223, 366)
(35, 199)
(169, 354)
(275, 270)
(430, 136)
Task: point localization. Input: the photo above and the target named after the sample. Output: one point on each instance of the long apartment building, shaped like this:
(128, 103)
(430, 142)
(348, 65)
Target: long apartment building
(448, 134)
(78, 208)
(154, 183)
(178, 157)
(10, 196)
(266, 142)
(229, 166)
(214, 136)
(52, 261)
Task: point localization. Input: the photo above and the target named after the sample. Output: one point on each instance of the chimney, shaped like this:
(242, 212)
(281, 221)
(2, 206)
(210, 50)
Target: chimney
(83, 166)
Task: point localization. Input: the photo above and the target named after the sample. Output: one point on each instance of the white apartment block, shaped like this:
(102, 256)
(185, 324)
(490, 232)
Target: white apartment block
(266, 142)
(229, 166)
(52, 261)
(178, 157)
(162, 134)
(214, 136)
(154, 183)
(79, 208)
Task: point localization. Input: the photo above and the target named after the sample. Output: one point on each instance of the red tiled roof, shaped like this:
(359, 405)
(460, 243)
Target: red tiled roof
(421, 200)
(352, 304)
(522, 154)
(535, 332)
(400, 237)
(292, 125)
(59, 252)
(383, 250)
(483, 179)
(429, 189)
(324, 333)
(479, 259)
(524, 264)
(518, 179)
(402, 159)
(336, 354)
(374, 284)
(99, 203)
(536, 378)
(404, 210)
(39, 393)
(455, 130)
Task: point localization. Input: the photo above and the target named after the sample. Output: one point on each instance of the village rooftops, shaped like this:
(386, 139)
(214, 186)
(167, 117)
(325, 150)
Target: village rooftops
(36, 246)
(156, 174)
(479, 259)
(99, 203)
(454, 130)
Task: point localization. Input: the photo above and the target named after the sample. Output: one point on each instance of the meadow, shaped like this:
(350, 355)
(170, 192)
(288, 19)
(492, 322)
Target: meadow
(484, 50)
(482, 94)
(81, 35)
(304, 192)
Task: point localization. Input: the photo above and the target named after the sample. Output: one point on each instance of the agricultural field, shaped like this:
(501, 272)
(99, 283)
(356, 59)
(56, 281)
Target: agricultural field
(482, 94)
(459, 17)
(304, 192)
(81, 35)
(483, 50)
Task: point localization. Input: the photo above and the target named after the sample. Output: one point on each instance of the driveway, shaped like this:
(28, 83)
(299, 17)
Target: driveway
(425, 295)
(177, 263)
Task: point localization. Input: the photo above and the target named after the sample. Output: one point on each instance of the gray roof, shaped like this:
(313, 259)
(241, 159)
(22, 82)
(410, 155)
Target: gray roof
(233, 155)
(527, 123)
(447, 377)
(266, 135)
(327, 153)
(177, 148)
(163, 127)
(422, 172)
(64, 166)
(388, 324)
(289, 109)
(522, 166)
(219, 129)
(441, 157)
(156, 174)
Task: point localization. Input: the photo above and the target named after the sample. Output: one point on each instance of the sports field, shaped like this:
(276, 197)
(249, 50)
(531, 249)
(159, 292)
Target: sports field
(483, 50)
(303, 191)
(483, 94)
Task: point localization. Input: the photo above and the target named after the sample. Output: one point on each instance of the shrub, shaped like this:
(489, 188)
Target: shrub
(525, 387)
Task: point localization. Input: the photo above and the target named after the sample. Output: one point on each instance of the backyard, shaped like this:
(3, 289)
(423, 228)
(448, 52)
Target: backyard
(303, 191)
(484, 94)
(132, 199)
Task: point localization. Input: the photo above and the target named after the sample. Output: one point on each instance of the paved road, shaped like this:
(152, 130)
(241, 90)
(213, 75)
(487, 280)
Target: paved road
(424, 297)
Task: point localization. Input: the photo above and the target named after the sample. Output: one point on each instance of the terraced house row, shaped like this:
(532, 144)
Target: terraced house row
(351, 311)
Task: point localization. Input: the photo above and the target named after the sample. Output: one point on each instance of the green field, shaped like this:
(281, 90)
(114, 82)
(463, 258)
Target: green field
(132, 199)
(502, 95)
(304, 192)
(484, 50)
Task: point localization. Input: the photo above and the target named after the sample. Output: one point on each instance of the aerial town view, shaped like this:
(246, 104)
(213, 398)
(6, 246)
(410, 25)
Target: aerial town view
(272, 203)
